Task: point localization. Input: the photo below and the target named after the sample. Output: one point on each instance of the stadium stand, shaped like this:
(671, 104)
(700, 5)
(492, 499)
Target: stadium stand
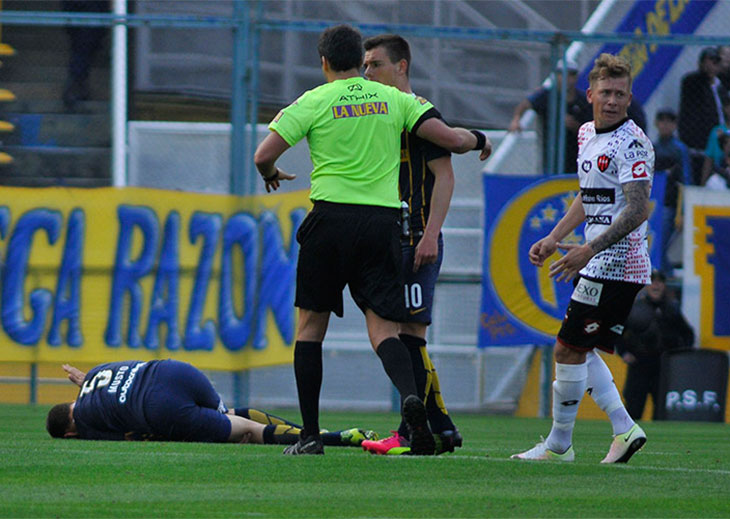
(5, 96)
(52, 145)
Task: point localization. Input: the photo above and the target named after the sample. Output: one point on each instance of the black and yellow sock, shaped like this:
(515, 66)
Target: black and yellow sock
(428, 382)
(281, 434)
(420, 374)
(334, 438)
(263, 417)
(285, 434)
(438, 416)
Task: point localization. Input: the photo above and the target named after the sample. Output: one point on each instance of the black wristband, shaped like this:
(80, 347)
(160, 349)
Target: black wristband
(272, 177)
(481, 139)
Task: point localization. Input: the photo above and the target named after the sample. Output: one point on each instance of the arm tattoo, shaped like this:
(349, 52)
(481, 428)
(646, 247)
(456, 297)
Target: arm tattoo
(633, 215)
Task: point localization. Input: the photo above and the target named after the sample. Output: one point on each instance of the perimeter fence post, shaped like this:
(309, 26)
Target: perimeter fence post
(546, 379)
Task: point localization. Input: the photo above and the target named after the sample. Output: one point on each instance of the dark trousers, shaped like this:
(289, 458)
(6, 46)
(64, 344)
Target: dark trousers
(642, 379)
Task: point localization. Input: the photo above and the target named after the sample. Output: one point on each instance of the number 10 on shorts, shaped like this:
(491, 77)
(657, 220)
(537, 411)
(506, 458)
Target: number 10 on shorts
(414, 295)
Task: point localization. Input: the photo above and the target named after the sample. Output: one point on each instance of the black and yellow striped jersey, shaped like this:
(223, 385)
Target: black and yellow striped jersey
(416, 179)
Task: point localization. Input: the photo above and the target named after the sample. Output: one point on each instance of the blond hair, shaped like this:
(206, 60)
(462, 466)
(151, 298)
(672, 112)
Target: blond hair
(610, 66)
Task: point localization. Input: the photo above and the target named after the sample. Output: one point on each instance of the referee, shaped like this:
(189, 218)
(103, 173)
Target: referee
(352, 235)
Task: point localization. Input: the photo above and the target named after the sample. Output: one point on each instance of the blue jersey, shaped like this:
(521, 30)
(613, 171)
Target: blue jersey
(111, 402)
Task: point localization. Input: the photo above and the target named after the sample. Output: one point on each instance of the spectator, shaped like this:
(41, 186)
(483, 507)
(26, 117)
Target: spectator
(577, 111)
(720, 177)
(701, 99)
(672, 157)
(85, 42)
(655, 325)
(714, 155)
(724, 74)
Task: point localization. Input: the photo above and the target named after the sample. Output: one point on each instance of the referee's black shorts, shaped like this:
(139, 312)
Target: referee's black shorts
(355, 245)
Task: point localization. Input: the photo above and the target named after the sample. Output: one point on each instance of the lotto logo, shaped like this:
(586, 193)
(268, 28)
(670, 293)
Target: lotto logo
(591, 327)
(638, 170)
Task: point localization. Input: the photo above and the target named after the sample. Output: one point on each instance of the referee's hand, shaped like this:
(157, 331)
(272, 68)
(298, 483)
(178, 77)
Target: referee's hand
(273, 182)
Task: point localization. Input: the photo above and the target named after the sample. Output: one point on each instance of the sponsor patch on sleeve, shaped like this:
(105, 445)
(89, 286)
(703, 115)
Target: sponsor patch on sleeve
(638, 170)
(587, 292)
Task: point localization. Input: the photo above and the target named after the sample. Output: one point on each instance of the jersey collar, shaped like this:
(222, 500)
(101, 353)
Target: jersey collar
(614, 127)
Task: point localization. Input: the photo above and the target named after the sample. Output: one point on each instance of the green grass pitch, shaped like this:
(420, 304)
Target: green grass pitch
(683, 471)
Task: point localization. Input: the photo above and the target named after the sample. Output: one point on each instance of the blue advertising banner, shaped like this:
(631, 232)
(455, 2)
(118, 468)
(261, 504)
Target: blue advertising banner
(650, 62)
(521, 304)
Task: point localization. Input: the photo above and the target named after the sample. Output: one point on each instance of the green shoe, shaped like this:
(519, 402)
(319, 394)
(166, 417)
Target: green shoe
(355, 437)
(625, 445)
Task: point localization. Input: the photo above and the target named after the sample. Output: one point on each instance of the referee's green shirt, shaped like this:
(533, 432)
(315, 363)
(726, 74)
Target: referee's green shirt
(353, 127)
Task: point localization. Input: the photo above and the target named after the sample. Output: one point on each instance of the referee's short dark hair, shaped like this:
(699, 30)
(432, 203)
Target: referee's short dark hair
(396, 47)
(341, 46)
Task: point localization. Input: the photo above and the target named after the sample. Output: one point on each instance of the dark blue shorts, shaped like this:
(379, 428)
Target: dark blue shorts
(182, 405)
(419, 286)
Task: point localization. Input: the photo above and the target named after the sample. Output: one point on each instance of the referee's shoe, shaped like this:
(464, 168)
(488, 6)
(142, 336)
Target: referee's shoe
(421, 439)
(308, 445)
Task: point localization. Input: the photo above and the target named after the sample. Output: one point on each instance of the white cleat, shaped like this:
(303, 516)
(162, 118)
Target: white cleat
(625, 445)
(541, 452)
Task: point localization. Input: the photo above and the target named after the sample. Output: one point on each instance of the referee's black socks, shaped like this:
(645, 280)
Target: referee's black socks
(397, 363)
(308, 372)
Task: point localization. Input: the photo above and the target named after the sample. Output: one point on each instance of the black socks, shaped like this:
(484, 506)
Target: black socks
(308, 373)
(397, 363)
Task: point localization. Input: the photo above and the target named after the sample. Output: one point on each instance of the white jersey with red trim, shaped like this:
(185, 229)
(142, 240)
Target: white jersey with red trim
(606, 160)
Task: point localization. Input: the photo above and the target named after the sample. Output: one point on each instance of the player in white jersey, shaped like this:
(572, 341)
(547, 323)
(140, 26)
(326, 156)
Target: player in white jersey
(615, 167)
(607, 159)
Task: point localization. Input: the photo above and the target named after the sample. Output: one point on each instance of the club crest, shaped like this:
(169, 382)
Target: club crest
(603, 162)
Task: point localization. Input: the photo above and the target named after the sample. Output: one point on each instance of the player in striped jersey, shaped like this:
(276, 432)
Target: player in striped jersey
(426, 184)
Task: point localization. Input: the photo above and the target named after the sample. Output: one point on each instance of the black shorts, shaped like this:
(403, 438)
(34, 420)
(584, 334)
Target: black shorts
(596, 314)
(355, 245)
(419, 286)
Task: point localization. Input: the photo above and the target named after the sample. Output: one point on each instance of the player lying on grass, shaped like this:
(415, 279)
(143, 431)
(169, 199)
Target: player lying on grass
(168, 400)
